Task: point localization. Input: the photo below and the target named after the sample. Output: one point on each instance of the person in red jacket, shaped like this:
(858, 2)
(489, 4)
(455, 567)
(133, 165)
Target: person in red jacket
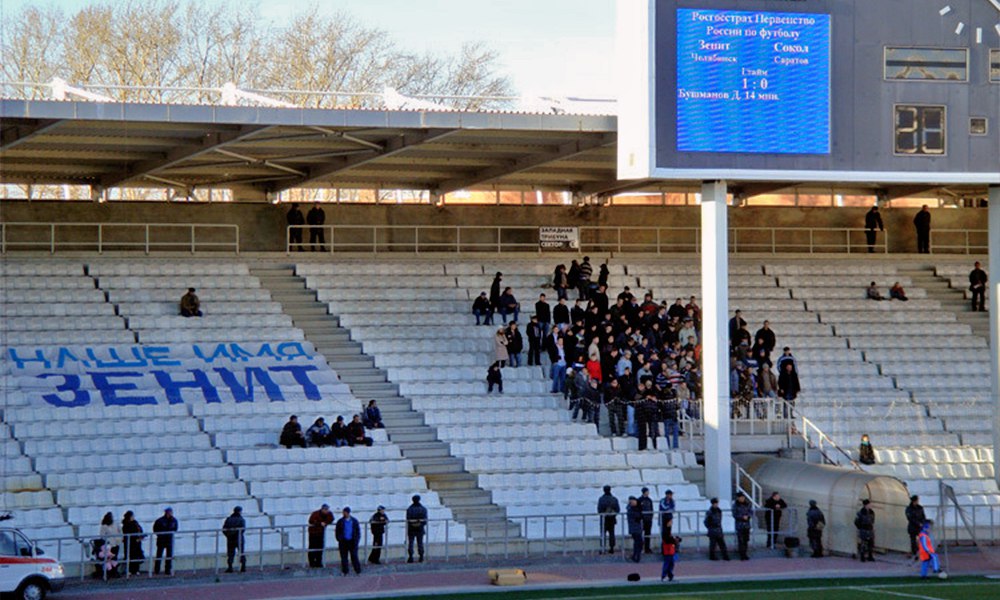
(318, 522)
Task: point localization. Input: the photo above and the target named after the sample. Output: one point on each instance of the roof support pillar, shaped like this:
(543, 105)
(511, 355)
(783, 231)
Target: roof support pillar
(994, 307)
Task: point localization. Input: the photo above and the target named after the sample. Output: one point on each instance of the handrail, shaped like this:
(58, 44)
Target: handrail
(823, 440)
(967, 247)
(102, 240)
(755, 492)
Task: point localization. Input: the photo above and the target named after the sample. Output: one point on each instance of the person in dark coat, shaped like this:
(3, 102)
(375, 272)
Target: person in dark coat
(291, 434)
(535, 334)
(922, 223)
(338, 433)
(373, 416)
(743, 516)
(633, 515)
(416, 526)
(915, 518)
(348, 533)
(667, 507)
(646, 504)
(864, 522)
(482, 309)
(560, 282)
(788, 386)
(977, 285)
(164, 528)
(775, 505)
(608, 509)
(873, 221)
(561, 313)
(316, 216)
(866, 452)
(319, 520)
(190, 304)
(544, 312)
(377, 523)
(515, 344)
(603, 274)
(295, 220)
(716, 538)
(766, 336)
(494, 377)
(234, 528)
(815, 523)
(132, 532)
(356, 433)
(495, 292)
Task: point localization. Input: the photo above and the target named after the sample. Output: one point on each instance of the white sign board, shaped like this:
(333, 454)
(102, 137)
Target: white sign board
(559, 238)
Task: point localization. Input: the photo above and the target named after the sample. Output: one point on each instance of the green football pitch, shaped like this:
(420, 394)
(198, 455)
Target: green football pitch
(958, 588)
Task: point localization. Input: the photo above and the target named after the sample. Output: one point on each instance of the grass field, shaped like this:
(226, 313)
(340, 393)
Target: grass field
(958, 588)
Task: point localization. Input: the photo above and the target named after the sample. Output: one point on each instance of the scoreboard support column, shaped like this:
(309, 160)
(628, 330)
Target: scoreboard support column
(994, 307)
(715, 339)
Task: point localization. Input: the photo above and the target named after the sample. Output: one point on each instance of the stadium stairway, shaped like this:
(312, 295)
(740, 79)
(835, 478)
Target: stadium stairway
(458, 489)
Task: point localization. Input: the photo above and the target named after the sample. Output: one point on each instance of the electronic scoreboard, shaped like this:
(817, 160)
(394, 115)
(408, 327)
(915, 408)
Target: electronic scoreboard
(875, 91)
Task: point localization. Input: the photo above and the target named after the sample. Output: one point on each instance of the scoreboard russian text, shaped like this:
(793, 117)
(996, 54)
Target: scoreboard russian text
(873, 91)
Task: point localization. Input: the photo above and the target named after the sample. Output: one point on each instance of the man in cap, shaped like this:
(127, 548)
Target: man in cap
(716, 538)
(743, 516)
(318, 522)
(416, 524)
(377, 524)
(646, 504)
(233, 528)
(667, 507)
(915, 519)
(864, 522)
(608, 509)
(164, 528)
(348, 532)
(815, 523)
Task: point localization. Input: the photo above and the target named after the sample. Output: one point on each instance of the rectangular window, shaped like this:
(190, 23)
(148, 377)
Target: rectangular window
(920, 130)
(995, 65)
(926, 64)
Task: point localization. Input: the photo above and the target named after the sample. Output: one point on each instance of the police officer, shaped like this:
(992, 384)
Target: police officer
(713, 523)
(915, 519)
(416, 522)
(815, 523)
(864, 521)
(608, 509)
(646, 504)
(743, 515)
(634, 516)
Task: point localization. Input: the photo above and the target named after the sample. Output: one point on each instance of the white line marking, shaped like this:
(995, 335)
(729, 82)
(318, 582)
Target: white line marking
(876, 590)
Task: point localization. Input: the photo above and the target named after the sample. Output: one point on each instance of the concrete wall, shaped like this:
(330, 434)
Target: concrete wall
(262, 225)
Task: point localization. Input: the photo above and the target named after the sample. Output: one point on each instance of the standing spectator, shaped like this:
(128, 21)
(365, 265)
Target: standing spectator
(509, 305)
(864, 522)
(132, 532)
(646, 504)
(633, 516)
(416, 526)
(338, 433)
(873, 221)
(608, 509)
(373, 416)
(356, 433)
(234, 528)
(915, 519)
(602, 275)
(557, 355)
(767, 383)
(977, 285)
(377, 523)
(348, 534)
(788, 387)
(866, 453)
(560, 281)
(669, 549)
(295, 221)
(922, 223)
(815, 523)
(318, 522)
(543, 312)
(500, 347)
(190, 304)
(561, 314)
(482, 309)
(743, 516)
(111, 534)
(766, 335)
(164, 528)
(495, 292)
(515, 344)
(318, 434)
(583, 281)
(775, 505)
(928, 558)
(671, 419)
(291, 434)
(786, 357)
(667, 507)
(735, 325)
(316, 217)
(716, 538)
(494, 376)
(535, 334)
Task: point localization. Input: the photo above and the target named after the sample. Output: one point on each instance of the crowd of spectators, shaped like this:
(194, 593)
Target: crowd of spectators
(340, 434)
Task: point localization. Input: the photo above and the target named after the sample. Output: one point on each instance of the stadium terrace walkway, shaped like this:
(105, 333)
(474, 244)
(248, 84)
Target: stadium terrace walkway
(407, 580)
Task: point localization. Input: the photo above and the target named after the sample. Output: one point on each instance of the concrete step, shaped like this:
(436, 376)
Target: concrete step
(422, 450)
(352, 376)
(445, 465)
(313, 321)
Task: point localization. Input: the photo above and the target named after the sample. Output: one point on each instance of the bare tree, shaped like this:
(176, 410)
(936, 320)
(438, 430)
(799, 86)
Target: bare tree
(31, 47)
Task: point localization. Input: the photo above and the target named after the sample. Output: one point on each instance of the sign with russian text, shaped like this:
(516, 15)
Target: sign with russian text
(558, 238)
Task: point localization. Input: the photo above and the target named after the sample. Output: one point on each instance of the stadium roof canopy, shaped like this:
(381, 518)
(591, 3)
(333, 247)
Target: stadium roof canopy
(112, 144)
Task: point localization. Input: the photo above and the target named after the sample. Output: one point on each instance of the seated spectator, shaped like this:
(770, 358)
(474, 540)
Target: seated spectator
(896, 292)
(483, 310)
(866, 453)
(338, 433)
(373, 416)
(356, 433)
(291, 434)
(494, 376)
(190, 304)
(688, 329)
(873, 293)
(508, 305)
(318, 434)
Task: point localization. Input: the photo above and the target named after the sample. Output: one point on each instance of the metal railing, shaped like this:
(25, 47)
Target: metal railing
(421, 239)
(744, 482)
(99, 237)
(759, 416)
(960, 241)
(815, 439)
(580, 534)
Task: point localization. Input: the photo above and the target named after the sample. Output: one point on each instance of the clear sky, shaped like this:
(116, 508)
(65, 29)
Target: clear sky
(547, 47)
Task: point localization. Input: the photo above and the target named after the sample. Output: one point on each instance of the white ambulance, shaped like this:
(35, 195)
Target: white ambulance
(23, 569)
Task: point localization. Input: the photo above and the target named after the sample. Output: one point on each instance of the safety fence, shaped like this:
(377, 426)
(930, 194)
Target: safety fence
(538, 536)
(107, 237)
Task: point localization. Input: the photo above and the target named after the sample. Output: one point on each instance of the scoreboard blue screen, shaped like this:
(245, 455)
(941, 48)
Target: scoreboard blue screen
(753, 82)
